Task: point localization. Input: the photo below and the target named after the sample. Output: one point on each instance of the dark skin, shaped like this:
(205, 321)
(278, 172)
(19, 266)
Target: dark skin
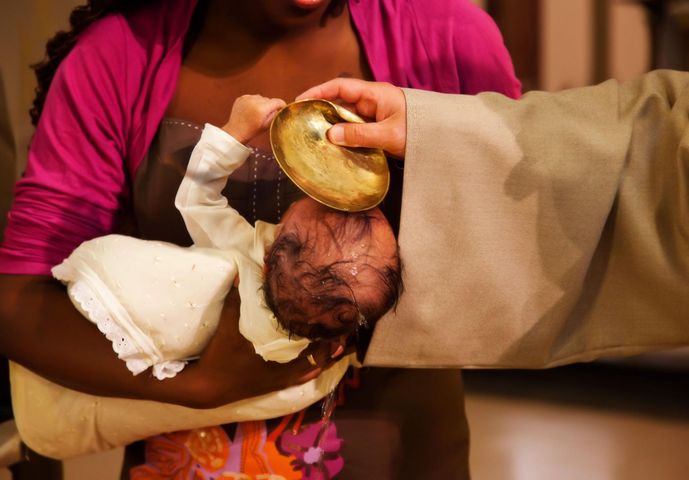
(263, 57)
(277, 50)
(60, 345)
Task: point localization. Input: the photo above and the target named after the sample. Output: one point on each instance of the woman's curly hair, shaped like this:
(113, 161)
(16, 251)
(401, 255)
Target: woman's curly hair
(81, 17)
(62, 43)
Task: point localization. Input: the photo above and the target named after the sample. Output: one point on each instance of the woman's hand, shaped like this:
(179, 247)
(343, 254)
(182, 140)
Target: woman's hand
(381, 102)
(229, 369)
(251, 115)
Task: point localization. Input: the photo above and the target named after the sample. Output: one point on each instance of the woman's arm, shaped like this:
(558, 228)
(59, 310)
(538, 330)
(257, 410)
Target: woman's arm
(40, 329)
(73, 190)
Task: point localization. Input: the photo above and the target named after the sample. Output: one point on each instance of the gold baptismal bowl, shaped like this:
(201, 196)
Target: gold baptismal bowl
(350, 179)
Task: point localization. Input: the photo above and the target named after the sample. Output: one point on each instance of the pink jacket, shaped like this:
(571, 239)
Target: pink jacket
(110, 93)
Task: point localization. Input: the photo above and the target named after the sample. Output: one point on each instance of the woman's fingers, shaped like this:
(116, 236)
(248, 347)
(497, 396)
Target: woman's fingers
(230, 369)
(319, 356)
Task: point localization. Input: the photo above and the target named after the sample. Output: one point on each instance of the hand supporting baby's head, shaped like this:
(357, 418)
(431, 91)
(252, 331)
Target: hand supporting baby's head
(329, 272)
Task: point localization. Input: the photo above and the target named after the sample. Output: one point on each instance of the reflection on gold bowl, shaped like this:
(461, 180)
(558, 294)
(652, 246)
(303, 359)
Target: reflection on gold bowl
(350, 179)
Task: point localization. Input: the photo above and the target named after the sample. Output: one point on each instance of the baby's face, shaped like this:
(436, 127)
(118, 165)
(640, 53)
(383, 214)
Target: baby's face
(338, 280)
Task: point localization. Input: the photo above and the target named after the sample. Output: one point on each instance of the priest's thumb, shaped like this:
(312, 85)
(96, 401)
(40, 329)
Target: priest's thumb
(384, 135)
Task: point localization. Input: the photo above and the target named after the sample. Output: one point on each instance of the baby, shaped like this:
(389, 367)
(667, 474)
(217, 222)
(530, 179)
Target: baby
(320, 273)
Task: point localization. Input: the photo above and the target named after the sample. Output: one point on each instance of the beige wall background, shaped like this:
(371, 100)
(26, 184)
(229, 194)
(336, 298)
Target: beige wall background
(7, 156)
(24, 28)
(567, 42)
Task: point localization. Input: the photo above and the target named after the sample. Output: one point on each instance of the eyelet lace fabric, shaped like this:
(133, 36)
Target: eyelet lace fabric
(122, 345)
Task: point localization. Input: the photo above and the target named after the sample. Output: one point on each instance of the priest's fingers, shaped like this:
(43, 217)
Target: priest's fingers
(382, 102)
(389, 135)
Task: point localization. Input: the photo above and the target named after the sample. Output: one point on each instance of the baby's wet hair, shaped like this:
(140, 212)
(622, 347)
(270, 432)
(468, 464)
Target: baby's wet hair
(297, 287)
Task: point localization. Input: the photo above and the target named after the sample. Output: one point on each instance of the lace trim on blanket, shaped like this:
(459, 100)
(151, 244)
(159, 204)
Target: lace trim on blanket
(122, 345)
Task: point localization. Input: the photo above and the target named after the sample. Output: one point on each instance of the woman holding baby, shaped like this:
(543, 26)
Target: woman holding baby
(120, 104)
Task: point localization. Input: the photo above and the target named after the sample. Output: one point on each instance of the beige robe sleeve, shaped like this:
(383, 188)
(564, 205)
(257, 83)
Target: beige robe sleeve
(543, 231)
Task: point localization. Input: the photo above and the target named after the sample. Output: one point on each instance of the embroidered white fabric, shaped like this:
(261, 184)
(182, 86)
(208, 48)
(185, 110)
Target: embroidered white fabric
(122, 345)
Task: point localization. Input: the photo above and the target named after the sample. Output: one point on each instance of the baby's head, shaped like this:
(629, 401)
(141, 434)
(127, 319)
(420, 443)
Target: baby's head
(329, 272)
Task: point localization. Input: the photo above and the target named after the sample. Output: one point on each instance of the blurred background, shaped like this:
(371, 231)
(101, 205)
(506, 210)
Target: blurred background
(624, 419)
(617, 419)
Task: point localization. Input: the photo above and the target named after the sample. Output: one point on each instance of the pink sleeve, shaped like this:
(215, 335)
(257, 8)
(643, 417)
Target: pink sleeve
(75, 181)
(449, 46)
(483, 62)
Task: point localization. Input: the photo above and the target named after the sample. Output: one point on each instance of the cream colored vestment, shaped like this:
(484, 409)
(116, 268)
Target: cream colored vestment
(542, 231)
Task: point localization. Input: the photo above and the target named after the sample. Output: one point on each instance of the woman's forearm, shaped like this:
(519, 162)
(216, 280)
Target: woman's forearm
(41, 329)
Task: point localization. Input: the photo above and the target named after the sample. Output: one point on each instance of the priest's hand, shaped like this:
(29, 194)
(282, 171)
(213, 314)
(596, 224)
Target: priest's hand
(381, 102)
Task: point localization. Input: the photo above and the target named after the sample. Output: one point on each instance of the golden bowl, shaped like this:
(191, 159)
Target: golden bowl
(349, 179)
